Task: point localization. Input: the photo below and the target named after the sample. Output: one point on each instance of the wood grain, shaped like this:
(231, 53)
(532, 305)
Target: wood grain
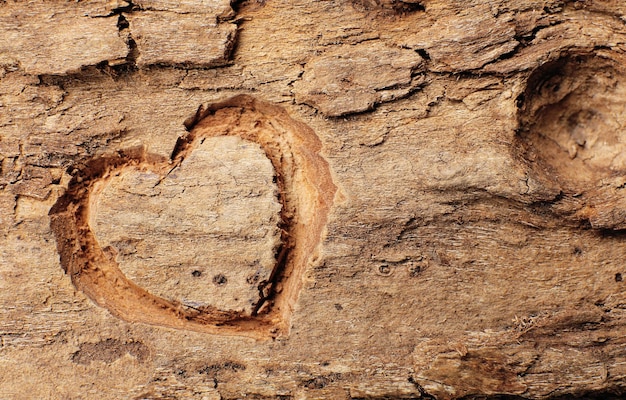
(466, 159)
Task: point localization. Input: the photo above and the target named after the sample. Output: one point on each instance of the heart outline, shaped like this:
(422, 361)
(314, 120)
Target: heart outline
(306, 192)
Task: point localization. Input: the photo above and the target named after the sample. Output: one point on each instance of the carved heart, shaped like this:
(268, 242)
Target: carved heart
(99, 240)
(202, 233)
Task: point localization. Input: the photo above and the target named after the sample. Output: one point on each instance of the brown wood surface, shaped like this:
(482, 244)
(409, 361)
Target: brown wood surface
(298, 199)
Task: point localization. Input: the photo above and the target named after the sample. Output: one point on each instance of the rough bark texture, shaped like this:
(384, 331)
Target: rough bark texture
(294, 199)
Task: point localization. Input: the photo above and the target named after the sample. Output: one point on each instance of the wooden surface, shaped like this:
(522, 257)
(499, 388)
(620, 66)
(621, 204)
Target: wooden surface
(197, 209)
(293, 199)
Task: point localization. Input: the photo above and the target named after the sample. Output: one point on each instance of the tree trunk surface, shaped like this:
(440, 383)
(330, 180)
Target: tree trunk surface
(291, 199)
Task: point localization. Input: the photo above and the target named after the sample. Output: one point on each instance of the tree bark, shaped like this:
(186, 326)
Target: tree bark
(292, 199)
